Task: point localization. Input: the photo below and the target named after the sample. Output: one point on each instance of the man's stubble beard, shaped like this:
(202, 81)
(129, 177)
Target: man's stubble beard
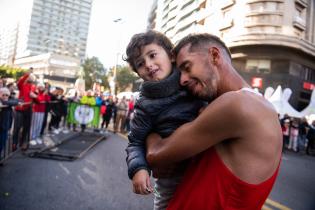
(207, 93)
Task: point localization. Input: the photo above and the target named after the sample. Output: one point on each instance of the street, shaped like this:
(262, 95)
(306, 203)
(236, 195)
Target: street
(295, 185)
(99, 180)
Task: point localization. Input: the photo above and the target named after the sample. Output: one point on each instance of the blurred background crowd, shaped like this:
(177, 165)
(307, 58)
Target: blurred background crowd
(30, 110)
(298, 134)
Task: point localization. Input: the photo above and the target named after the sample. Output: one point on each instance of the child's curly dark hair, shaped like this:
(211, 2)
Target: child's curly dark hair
(138, 41)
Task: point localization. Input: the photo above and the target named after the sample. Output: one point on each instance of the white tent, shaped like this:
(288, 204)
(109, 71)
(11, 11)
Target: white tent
(310, 109)
(280, 100)
(287, 108)
(268, 92)
(275, 99)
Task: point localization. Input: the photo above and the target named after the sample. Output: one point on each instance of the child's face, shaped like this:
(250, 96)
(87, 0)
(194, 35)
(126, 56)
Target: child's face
(153, 64)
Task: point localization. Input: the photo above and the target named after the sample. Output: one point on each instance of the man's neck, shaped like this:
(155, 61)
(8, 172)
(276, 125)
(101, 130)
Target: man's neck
(231, 81)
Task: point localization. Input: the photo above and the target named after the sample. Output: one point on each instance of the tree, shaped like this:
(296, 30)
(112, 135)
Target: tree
(11, 72)
(94, 71)
(125, 78)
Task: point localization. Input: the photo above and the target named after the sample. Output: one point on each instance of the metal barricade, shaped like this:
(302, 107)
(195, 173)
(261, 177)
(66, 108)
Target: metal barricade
(5, 135)
(77, 114)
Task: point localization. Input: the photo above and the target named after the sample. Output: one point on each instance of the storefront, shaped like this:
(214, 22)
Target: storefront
(265, 66)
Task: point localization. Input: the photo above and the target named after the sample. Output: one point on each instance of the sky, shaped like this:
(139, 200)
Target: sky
(107, 40)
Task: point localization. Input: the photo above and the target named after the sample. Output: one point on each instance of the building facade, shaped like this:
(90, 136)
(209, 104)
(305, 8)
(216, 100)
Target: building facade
(8, 37)
(54, 26)
(272, 41)
(59, 27)
(59, 70)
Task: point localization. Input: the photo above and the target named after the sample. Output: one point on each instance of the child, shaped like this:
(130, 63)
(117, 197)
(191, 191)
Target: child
(162, 107)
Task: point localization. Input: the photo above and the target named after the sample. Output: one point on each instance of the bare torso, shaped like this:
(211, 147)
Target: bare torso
(254, 156)
(243, 127)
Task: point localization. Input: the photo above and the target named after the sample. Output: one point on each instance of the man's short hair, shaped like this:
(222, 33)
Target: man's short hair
(138, 41)
(200, 41)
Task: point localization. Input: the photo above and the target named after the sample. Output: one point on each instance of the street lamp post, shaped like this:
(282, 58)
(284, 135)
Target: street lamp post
(117, 21)
(115, 74)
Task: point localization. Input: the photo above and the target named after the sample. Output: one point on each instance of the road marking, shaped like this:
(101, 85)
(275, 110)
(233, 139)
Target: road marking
(266, 208)
(276, 204)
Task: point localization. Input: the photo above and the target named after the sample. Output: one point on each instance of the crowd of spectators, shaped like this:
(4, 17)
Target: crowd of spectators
(298, 134)
(30, 109)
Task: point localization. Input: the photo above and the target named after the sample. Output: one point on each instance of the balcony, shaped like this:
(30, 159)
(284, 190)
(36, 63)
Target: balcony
(226, 23)
(299, 23)
(204, 13)
(263, 19)
(227, 3)
(255, 1)
(301, 3)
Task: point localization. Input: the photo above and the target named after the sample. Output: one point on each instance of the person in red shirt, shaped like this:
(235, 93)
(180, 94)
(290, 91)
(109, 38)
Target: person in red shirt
(237, 136)
(39, 108)
(24, 111)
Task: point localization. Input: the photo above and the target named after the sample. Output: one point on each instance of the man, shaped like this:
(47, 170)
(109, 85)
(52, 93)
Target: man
(23, 114)
(239, 130)
(122, 109)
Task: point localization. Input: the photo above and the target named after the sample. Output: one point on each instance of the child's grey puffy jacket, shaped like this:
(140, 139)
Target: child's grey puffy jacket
(161, 108)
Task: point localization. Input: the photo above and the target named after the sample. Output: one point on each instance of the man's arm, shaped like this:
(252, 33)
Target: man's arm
(22, 80)
(221, 120)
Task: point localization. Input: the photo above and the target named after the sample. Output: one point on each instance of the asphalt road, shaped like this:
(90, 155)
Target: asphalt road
(295, 185)
(96, 181)
(99, 180)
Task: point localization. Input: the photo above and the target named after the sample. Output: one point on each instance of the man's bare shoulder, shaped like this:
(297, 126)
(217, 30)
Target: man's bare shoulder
(245, 102)
(258, 136)
(243, 109)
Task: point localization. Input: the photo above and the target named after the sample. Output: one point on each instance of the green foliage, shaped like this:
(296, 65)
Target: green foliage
(125, 78)
(11, 72)
(94, 71)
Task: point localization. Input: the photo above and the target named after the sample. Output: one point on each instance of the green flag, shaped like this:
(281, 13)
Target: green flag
(83, 114)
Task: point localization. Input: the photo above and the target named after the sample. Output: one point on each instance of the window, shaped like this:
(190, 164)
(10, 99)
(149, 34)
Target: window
(258, 66)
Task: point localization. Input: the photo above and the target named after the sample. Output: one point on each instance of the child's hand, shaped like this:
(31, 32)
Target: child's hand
(141, 182)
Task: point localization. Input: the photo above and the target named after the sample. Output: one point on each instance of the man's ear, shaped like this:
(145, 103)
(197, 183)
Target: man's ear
(215, 54)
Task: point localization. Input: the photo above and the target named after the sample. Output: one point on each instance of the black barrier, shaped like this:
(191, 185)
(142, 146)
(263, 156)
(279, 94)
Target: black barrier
(10, 139)
(5, 135)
